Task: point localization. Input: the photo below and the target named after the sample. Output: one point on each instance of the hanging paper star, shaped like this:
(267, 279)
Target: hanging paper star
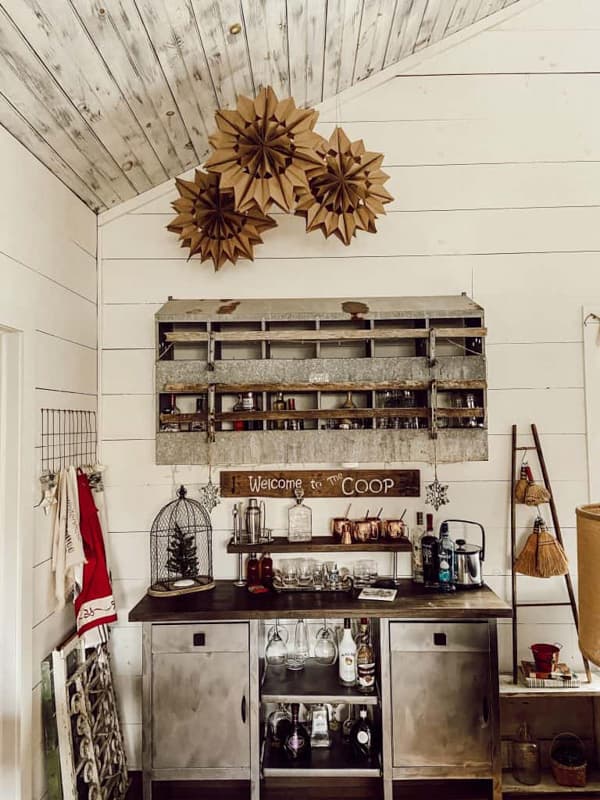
(210, 495)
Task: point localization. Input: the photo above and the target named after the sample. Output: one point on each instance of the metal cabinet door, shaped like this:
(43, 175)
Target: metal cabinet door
(200, 710)
(441, 697)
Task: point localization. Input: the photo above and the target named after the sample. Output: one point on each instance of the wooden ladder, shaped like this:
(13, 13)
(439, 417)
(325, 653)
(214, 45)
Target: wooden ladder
(513, 537)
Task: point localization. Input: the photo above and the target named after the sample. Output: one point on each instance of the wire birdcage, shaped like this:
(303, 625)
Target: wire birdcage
(181, 548)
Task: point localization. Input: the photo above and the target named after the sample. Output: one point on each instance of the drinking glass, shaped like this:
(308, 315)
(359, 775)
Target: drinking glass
(289, 572)
(298, 653)
(326, 650)
(276, 649)
(305, 572)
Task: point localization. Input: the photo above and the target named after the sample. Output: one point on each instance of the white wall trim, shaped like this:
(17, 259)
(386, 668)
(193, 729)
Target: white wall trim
(16, 553)
(329, 106)
(591, 367)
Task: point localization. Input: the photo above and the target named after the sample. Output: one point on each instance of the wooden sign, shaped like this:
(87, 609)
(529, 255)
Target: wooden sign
(322, 483)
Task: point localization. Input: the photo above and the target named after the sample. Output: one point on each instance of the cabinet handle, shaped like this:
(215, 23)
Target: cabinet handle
(243, 709)
(486, 711)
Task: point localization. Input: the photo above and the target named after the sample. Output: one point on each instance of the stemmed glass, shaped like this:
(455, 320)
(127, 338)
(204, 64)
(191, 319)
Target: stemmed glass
(276, 649)
(326, 650)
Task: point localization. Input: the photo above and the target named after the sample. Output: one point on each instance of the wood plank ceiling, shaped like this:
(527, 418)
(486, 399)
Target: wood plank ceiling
(116, 96)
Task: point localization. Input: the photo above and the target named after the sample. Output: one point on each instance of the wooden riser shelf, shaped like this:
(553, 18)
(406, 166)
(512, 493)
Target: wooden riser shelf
(313, 684)
(323, 762)
(548, 786)
(321, 544)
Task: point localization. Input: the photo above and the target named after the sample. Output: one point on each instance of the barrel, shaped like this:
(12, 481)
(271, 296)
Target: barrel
(588, 558)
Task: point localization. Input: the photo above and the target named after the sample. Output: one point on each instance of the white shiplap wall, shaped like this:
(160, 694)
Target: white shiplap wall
(48, 263)
(494, 154)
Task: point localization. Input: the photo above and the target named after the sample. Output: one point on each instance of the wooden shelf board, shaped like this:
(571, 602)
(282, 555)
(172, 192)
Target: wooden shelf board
(339, 386)
(321, 335)
(549, 786)
(509, 689)
(313, 684)
(332, 413)
(319, 544)
(323, 762)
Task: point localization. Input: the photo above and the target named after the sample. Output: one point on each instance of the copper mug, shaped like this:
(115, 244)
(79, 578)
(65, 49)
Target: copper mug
(361, 530)
(376, 528)
(394, 528)
(339, 526)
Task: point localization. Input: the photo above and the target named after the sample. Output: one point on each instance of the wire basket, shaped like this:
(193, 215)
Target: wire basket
(567, 760)
(181, 549)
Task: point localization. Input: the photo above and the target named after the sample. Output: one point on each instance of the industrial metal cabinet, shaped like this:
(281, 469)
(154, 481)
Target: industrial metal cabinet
(440, 702)
(197, 703)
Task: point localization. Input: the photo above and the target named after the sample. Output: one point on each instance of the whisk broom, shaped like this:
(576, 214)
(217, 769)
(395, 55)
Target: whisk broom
(542, 555)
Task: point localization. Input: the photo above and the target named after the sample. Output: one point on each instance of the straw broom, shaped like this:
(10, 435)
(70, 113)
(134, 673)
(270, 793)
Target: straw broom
(542, 556)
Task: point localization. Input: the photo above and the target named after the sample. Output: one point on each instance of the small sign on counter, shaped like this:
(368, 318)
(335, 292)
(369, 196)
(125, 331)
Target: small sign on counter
(322, 483)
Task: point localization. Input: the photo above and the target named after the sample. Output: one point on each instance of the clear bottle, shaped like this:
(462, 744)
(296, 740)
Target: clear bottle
(279, 405)
(319, 731)
(361, 736)
(417, 554)
(365, 659)
(429, 554)
(347, 657)
(299, 520)
(296, 745)
(298, 656)
(446, 561)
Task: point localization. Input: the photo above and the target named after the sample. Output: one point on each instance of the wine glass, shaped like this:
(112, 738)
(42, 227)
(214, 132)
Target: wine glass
(326, 650)
(276, 649)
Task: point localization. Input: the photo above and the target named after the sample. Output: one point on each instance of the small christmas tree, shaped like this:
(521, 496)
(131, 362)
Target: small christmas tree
(182, 554)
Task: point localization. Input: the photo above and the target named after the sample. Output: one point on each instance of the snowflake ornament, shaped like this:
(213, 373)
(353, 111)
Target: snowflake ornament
(436, 494)
(210, 495)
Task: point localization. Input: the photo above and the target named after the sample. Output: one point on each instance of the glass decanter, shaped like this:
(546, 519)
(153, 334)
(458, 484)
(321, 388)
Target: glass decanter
(298, 654)
(299, 520)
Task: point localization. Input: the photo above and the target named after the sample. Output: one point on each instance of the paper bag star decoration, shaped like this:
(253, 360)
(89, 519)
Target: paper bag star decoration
(209, 224)
(267, 152)
(347, 193)
(264, 150)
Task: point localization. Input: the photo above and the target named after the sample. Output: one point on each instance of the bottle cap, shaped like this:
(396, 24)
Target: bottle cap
(443, 528)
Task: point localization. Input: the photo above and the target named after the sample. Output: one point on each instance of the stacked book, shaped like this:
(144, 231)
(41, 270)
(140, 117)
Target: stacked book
(561, 677)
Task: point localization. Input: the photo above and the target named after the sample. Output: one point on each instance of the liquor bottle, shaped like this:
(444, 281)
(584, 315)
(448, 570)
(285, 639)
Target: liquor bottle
(299, 520)
(266, 570)
(296, 745)
(199, 424)
(347, 657)
(279, 405)
(348, 724)
(365, 659)
(319, 730)
(252, 570)
(446, 561)
(172, 409)
(429, 554)
(361, 737)
(417, 554)
(248, 404)
(238, 424)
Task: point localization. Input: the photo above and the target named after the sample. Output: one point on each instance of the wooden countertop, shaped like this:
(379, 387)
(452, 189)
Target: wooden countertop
(227, 601)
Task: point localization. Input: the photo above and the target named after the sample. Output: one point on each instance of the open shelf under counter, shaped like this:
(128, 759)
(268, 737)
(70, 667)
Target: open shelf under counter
(320, 544)
(548, 786)
(510, 689)
(316, 683)
(324, 762)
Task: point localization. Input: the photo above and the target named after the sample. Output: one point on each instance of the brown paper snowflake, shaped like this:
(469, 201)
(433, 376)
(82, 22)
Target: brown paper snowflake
(347, 193)
(208, 223)
(264, 149)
